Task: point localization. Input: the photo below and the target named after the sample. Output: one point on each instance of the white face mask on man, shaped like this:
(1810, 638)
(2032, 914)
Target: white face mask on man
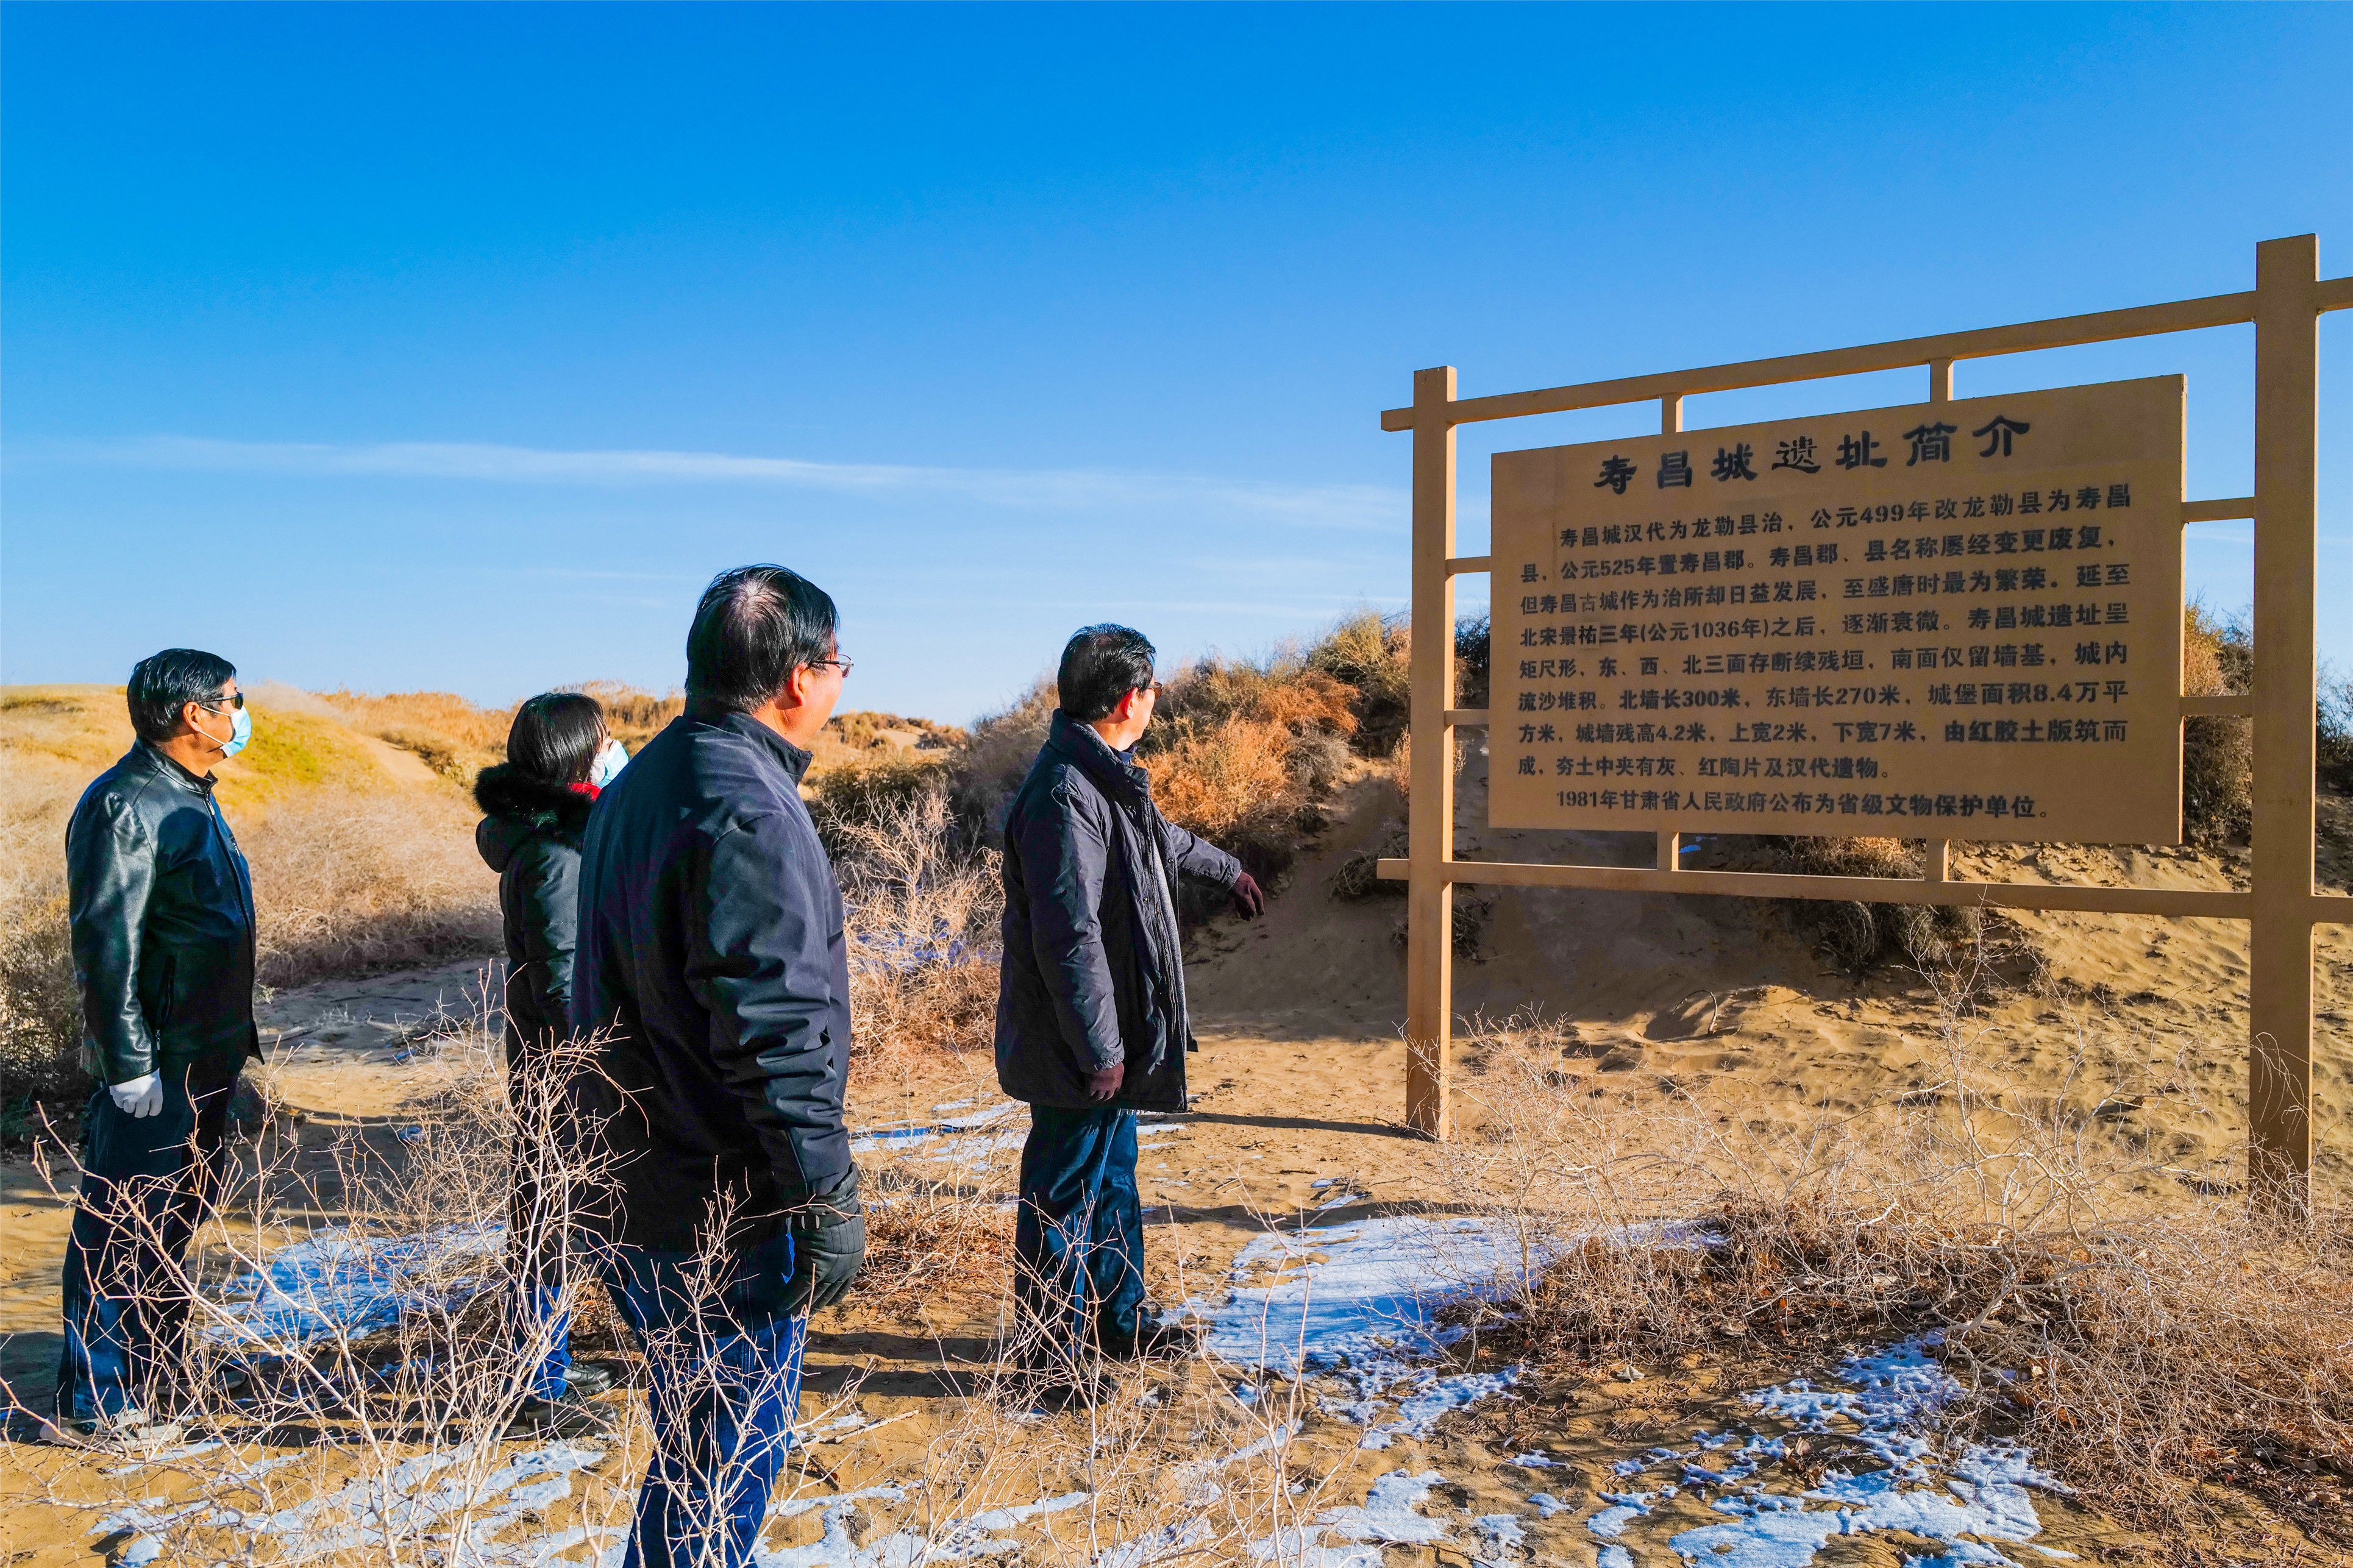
(611, 758)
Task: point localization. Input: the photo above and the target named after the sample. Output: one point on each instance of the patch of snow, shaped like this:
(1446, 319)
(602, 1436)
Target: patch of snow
(1890, 1404)
(1624, 1509)
(418, 1500)
(1419, 1412)
(346, 1280)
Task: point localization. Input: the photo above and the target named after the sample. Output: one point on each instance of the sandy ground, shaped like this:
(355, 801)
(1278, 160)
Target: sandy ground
(1298, 1089)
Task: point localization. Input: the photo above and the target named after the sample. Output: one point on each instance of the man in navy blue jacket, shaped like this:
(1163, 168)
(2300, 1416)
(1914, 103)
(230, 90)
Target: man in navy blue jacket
(712, 973)
(1091, 1018)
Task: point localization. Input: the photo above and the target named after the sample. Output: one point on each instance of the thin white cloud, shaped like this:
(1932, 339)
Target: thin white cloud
(1359, 506)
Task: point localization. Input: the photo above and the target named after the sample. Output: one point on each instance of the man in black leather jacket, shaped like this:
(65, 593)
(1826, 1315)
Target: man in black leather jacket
(714, 974)
(160, 907)
(1091, 1018)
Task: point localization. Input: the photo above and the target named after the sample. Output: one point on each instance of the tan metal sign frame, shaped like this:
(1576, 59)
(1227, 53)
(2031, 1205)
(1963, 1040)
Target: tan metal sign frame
(2281, 906)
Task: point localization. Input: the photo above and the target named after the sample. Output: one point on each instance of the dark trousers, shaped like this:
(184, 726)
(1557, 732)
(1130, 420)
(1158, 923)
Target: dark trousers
(144, 1185)
(1078, 1238)
(724, 1388)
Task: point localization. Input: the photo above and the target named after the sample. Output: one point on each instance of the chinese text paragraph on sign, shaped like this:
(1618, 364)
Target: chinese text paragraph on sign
(1951, 620)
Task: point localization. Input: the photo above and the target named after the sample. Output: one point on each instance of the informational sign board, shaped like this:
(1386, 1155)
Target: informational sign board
(1947, 620)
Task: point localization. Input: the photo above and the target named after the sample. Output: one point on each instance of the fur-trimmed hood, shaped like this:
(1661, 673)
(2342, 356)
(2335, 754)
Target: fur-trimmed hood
(519, 807)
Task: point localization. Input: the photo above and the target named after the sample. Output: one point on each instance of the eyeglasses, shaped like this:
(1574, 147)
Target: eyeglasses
(212, 705)
(843, 665)
(1158, 688)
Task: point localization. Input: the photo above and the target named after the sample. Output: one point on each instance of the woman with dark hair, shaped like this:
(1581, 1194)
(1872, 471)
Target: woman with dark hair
(559, 758)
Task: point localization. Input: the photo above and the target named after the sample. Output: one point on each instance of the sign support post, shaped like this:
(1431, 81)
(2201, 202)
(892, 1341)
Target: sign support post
(1429, 893)
(2282, 907)
(2279, 946)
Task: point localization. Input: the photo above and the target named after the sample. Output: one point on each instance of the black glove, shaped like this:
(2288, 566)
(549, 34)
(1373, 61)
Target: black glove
(829, 1236)
(1248, 902)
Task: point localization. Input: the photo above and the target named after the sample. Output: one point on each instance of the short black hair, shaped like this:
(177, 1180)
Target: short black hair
(1101, 664)
(754, 626)
(556, 735)
(164, 684)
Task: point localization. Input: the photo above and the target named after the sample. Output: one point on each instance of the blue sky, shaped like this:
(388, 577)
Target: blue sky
(457, 346)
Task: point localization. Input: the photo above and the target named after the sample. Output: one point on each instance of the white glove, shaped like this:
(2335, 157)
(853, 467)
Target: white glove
(141, 1097)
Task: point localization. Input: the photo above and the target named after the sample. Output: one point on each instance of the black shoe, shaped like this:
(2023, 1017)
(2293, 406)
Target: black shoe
(589, 1380)
(565, 1415)
(1154, 1341)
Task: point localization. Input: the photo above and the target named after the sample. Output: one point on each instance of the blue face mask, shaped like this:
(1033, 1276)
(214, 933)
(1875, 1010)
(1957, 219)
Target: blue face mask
(611, 758)
(240, 731)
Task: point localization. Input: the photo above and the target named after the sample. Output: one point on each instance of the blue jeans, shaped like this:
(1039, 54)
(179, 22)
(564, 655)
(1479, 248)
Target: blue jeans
(543, 1328)
(1078, 1238)
(723, 1387)
(144, 1185)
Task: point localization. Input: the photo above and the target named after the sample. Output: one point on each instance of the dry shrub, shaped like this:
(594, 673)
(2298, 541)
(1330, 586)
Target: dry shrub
(986, 769)
(1370, 653)
(2333, 733)
(1359, 875)
(1283, 691)
(40, 1014)
(924, 908)
(2144, 1335)
(1231, 784)
(1472, 634)
(857, 789)
(347, 883)
(932, 1244)
(2217, 755)
(1860, 937)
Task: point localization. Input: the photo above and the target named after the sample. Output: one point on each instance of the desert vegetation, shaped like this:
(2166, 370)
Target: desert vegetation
(2096, 1290)
(2146, 1333)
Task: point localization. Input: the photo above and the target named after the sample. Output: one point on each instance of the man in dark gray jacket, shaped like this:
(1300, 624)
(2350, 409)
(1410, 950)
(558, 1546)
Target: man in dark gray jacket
(161, 906)
(712, 973)
(1091, 1017)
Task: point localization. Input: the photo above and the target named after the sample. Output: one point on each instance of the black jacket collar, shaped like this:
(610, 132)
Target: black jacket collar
(794, 760)
(1124, 782)
(146, 756)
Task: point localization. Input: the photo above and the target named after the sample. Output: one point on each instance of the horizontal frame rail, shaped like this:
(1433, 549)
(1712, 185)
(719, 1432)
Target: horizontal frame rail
(2327, 909)
(2229, 509)
(1982, 342)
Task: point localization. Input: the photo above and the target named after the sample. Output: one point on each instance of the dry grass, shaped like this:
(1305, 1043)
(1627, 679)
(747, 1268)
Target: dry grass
(454, 737)
(2145, 1335)
(347, 882)
(352, 874)
(381, 1442)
